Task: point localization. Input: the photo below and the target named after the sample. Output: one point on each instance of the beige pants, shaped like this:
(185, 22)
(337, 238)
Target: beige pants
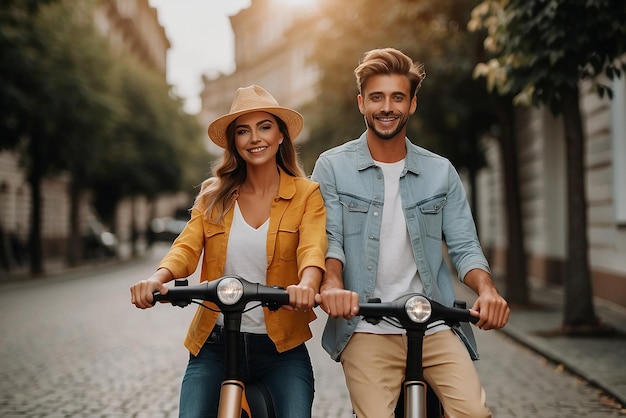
(374, 369)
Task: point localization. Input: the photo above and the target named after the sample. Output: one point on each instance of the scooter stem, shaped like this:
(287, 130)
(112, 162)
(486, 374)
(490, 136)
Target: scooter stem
(415, 341)
(414, 385)
(231, 393)
(414, 399)
(230, 399)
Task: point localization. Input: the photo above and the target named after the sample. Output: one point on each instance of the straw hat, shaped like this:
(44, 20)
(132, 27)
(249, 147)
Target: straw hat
(254, 99)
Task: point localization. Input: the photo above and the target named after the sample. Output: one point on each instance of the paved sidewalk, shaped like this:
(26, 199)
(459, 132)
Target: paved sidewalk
(599, 360)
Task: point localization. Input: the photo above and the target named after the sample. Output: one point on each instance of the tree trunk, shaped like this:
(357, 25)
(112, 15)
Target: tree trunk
(35, 244)
(134, 234)
(6, 256)
(516, 280)
(578, 295)
(75, 247)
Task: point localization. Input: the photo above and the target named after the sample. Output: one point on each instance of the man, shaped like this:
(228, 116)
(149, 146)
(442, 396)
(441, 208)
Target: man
(390, 207)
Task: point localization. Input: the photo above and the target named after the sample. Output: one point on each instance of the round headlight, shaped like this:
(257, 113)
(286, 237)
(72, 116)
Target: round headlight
(229, 291)
(418, 309)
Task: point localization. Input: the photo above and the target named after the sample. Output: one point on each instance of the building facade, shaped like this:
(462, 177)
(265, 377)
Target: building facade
(133, 25)
(543, 183)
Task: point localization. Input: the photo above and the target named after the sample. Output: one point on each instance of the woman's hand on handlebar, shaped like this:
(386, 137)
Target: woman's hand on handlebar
(141, 293)
(301, 297)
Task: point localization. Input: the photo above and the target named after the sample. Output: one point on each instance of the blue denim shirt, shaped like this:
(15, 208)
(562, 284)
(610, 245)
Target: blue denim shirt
(435, 208)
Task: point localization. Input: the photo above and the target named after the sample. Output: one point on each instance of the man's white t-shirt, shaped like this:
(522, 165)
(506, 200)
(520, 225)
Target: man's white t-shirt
(397, 273)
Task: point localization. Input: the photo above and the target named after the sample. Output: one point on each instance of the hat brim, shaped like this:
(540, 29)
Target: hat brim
(293, 120)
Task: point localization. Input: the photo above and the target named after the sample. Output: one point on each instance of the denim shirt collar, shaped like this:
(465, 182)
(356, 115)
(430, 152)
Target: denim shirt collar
(365, 160)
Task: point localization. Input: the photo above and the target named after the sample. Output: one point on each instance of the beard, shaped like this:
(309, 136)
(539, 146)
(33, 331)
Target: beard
(370, 124)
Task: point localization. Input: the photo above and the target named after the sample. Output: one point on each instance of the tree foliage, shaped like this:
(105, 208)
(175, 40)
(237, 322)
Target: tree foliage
(21, 49)
(150, 150)
(543, 47)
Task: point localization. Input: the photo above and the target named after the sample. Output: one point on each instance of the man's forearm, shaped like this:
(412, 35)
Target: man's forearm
(333, 277)
(479, 280)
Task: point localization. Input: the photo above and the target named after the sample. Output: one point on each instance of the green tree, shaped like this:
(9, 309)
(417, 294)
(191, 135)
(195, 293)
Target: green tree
(69, 104)
(51, 99)
(86, 115)
(151, 150)
(543, 49)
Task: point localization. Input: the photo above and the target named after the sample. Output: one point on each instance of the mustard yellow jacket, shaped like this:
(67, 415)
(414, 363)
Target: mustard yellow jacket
(296, 239)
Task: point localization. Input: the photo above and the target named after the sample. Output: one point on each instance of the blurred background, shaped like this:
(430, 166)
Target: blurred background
(102, 151)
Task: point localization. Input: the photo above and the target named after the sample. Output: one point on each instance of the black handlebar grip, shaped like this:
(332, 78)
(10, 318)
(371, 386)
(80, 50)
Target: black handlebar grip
(156, 297)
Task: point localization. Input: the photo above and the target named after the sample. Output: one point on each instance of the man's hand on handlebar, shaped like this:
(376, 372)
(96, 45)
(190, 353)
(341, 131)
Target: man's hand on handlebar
(333, 298)
(339, 303)
(493, 310)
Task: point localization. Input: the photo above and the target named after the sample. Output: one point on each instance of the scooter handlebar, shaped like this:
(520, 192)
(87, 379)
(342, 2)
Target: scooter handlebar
(458, 315)
(182, 294)
(396, 309)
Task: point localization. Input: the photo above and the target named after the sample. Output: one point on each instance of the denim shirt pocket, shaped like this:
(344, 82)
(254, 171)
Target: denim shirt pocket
(431, 210)
(354, 215)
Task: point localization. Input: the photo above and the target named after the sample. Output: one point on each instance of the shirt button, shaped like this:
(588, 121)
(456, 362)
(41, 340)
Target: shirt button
(375, 213)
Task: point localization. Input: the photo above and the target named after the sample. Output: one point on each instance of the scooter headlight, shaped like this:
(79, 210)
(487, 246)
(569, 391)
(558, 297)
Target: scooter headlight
(229, 290)
(418, 309)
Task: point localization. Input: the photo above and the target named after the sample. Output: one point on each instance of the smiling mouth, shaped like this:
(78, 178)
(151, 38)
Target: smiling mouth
(387, 119)
(257, 149)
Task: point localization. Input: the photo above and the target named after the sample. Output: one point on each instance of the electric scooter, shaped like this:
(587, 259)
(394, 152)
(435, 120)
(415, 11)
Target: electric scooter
(415, 312)
(231, 294)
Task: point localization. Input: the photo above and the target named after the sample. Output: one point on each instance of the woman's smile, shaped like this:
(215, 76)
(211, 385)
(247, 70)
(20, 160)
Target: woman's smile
(257, 149)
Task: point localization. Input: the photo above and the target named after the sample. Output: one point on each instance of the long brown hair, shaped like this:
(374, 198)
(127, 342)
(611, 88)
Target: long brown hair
(230, 172)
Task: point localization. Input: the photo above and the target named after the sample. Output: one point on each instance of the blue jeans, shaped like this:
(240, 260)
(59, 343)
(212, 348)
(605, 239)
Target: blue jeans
(288, 376)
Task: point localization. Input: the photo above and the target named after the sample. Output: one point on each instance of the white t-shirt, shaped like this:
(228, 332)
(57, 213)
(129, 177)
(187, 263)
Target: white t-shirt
(246, 256)
(397, 273)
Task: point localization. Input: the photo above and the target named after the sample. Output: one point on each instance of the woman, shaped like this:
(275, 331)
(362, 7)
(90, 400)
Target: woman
(259, 218)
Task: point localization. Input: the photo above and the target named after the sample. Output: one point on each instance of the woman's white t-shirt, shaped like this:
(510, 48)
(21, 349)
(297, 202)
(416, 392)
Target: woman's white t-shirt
(246, 256)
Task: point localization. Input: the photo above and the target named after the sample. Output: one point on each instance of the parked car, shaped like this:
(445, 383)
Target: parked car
(166, 229)
(98, 241)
